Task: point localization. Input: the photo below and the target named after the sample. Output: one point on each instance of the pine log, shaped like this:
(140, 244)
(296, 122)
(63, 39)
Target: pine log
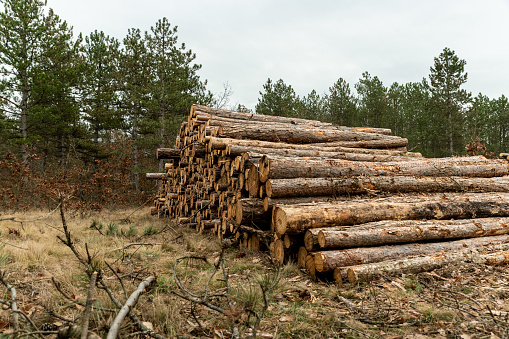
(279, 252)
(156, 176)
(253, 116)
(234, 150)
(285, 168)
(301, 257)
(168, 153)
(419, 264)
(222, 143)
(306, 134)
(250, 211)
(296, 187)
(329, 260)
(392, 232)
(311, 239)
(295, 219)
(269, 203)
(310, 264)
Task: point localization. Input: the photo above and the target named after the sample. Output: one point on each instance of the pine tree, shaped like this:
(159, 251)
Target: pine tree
(22, 30)
(99, 87)
(134, 82)
(449, 100)
(175, 84)
(278, 99)
(340, 103)
(372, 100)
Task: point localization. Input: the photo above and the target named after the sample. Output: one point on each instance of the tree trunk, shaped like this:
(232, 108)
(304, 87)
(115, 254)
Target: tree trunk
(295, 219)
(309, 134)
(223, 143)
(307, 187)
(269, 203)
(311, 239)
(285, 168)
(419, 264)
(406, 231)
(234, 150)
(156, 176)
(249, 211)
(168, 153)
(329, 260)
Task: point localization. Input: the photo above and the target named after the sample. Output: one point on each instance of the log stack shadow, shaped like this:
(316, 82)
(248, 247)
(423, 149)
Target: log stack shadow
(352, 202)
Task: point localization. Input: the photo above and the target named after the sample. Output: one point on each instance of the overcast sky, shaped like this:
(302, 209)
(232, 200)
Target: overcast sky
(311, 44)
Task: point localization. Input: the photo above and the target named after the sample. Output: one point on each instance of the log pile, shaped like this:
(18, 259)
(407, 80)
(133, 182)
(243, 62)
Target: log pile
(349, 201)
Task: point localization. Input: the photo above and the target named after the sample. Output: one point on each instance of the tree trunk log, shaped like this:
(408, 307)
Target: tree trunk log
(222, 143)
(419, 264)
(311, 239)
(405, 231)
(329, 260)
(276, 188)
(168, 153)
(250, 211)
(235, 150)
(156, 176)
(286, 168)
(253, 117)
(295, 219)
(309, 134)
(269, 203)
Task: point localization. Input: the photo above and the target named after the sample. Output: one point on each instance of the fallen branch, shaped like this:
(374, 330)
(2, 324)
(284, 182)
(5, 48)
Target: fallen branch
(14, 306)
(130, 303)
(88, 308)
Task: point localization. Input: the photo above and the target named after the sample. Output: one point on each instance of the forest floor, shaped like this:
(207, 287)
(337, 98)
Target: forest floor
(127, 246)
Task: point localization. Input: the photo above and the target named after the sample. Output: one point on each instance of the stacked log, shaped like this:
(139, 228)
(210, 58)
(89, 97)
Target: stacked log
(334, 198)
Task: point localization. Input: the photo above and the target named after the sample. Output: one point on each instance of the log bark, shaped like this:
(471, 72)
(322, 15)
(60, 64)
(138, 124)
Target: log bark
(286, 168)
(310, 134)
(156, 176)
(168, 153)
(296, 187)
(419, 264)
(235, 150)
(329, 260)
(253, 116)
(222, 143)
(406, 231)
(295, 219)
(269, 203)
(250, 211)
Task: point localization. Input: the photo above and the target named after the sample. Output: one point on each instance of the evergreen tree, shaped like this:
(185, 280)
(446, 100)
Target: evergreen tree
(313, 107)
(134, 82)
(54, 116)
(372, 100)
(498, 137)
(175, 84)
(278, 99)
(449, 101)
(340, 103)
(99, 87)
(22, 30)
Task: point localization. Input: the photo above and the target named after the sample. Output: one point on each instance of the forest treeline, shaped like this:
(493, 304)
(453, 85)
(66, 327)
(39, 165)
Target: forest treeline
(437, 115)
(84, 114)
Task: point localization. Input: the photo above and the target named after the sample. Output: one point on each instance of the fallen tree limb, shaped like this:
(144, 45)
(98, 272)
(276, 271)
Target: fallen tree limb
(130, 303)
(14, 304)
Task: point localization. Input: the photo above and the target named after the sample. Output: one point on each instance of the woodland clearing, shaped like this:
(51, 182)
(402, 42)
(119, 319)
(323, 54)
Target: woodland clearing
(126, 246)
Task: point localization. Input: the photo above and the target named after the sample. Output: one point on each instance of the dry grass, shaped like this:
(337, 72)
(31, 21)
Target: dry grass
(453, 302)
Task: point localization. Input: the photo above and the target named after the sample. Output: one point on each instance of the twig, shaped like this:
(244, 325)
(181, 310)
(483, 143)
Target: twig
(21, 248)
(88, 307)
(118, 277)
(131, 302)
(36, 219)
(134, 244)
(14, 306)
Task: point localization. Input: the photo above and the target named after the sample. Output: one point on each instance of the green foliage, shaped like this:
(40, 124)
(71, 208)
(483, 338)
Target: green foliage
(112, 229)
(278, 99)
(149, 230)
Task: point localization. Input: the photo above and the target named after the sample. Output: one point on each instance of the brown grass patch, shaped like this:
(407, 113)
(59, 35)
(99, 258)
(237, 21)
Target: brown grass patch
(457, 301)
